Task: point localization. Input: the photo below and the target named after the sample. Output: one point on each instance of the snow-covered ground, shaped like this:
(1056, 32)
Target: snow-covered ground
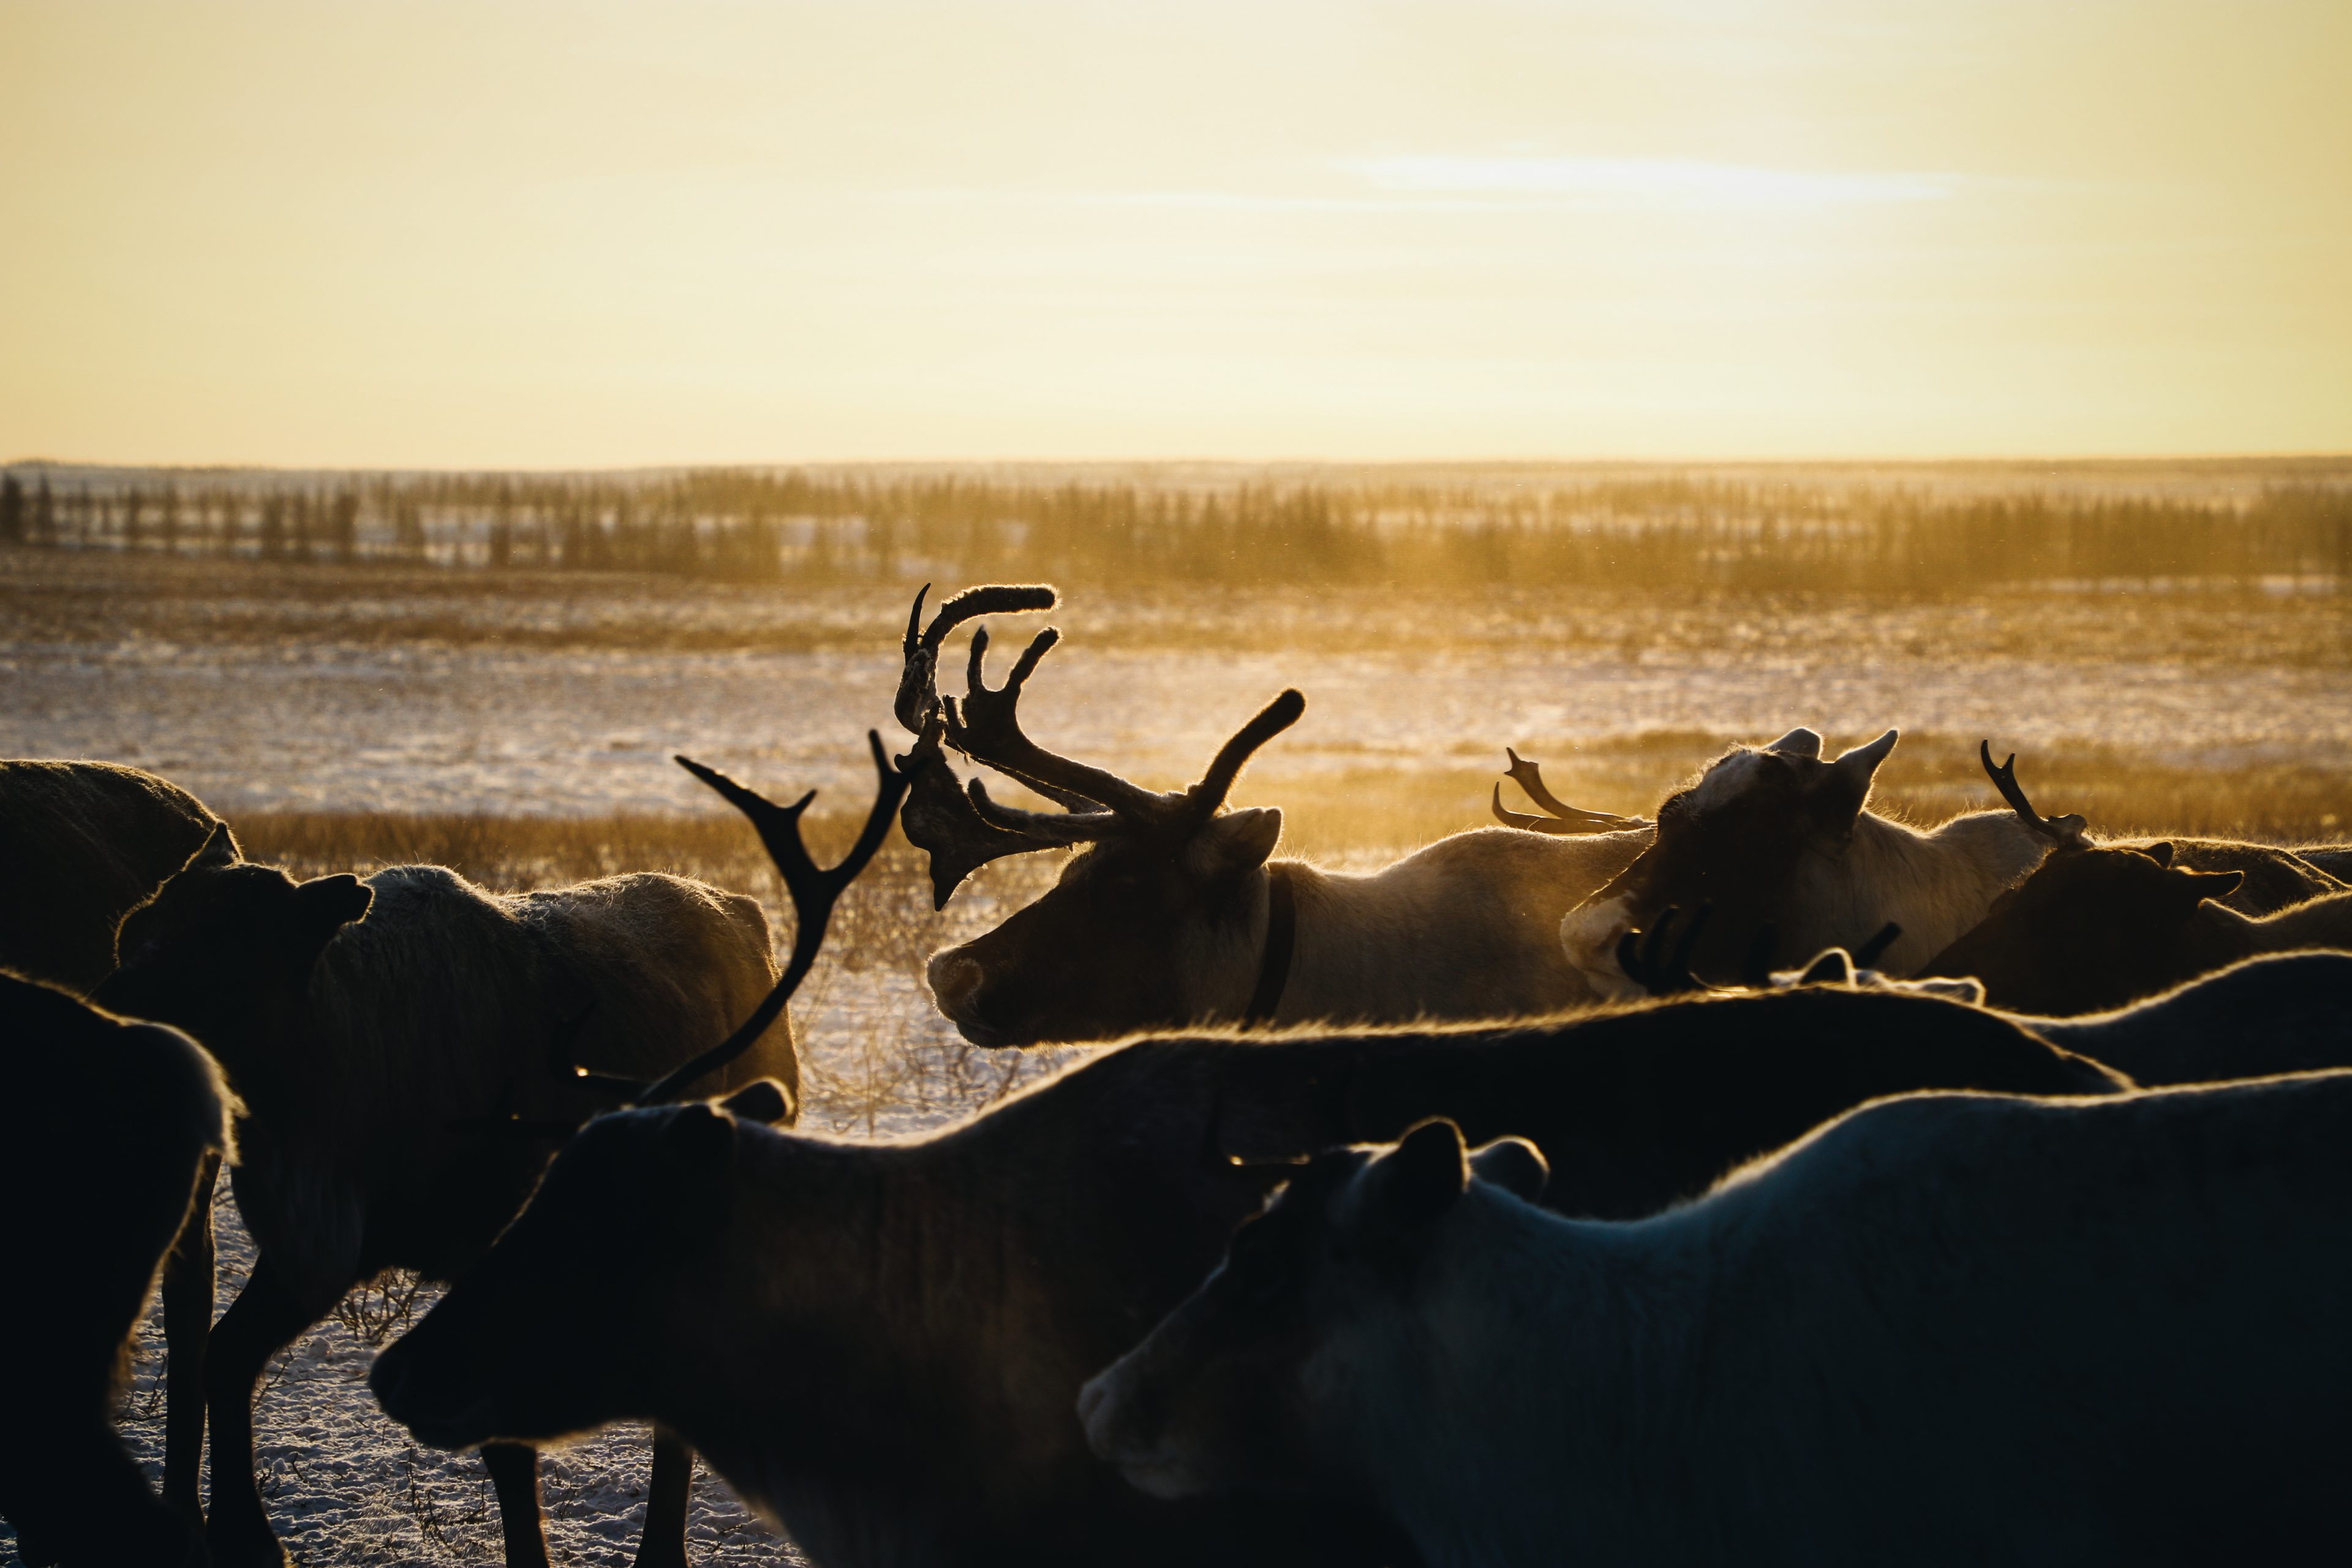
(343, 727)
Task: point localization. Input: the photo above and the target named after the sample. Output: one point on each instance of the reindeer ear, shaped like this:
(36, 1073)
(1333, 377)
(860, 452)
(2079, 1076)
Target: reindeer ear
(2203, 884)
(1515, 1165)
(1414, 1184)
(1235, 842)
(1797, 742)
(764, 1100)
(1833, 967)
(699, 1146)
(1964, 988)
(1851, 772)
(330, 903)
(219, 849)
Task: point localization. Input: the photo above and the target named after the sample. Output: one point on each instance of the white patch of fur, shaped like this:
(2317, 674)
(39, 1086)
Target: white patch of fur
(1937, 885)
(1588, 934)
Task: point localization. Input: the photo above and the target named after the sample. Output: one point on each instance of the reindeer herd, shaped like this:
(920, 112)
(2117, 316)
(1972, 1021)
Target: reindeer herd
(1774, 1180)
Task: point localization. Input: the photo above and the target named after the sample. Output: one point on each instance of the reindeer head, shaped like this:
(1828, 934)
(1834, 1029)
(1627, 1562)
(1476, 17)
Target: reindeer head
(1151, 923)
(2093, 927)
(224, 949)
(1730, 844)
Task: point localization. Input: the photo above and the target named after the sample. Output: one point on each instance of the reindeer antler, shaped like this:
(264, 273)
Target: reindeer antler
(937, 819)
(815, 891)
(986, 727)
(1563, 820)
(1146, 811)
(962, 829)
(918, 682)
(2066, 832)
(1642, 955)
(1867, 955)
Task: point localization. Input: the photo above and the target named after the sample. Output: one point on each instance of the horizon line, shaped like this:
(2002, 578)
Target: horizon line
(742, 465)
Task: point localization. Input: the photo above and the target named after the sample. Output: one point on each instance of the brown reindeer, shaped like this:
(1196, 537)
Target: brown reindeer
(2097, 927)
(1173, 911)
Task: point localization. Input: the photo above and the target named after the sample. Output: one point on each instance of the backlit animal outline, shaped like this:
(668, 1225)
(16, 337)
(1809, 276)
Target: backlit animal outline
(1775, 836)
(111, 1125)
(1175, 914)
(81, 844)
(411, 1050)
(2096, 927)
(1922, 1334)
(880, 1345)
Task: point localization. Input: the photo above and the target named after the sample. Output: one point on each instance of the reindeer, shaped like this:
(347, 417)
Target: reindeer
(2335, 859)
(1943, 1329)
(411, 1051)
(880, 1345)
(1174, 913)
(81, 844)
(2099, 927)
(1776, 837)
(2256, 1018)
(109, 1125)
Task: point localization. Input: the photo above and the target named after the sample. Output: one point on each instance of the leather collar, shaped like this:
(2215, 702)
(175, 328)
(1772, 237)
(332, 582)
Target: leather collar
(1281, 943)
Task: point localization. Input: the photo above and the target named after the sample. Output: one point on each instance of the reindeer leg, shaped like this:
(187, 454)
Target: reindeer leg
(663, 1542)
(514, 1472)
(76, 1497)
(187, 1324)
(268, 1315)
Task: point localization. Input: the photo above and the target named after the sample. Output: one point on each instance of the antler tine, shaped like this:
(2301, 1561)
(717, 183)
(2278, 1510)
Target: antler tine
(914, 623)
(815, 892)
(1867, 955)
(1272, 720)
(1565, 819)
(1042, 829)
(1637, 949)
(1689, 942)
(988, 599)
(1522, 821)
(986, 727)
(917, 692)
(918, 682)
(2061, 830)
(1645, 958)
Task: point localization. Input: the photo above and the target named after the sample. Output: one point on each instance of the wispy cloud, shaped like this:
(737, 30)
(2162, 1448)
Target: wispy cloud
(1460, 182)
(1657, 181)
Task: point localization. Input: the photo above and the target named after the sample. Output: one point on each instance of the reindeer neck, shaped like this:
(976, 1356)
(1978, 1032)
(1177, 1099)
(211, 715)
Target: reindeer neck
(2222, 935)
(1422, 938)
(1936, 885)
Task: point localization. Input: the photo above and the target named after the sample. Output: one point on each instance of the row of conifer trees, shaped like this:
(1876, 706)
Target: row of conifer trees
(755, 526)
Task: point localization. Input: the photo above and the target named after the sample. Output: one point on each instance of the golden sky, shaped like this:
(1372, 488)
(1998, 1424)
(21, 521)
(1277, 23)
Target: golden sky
(577, 234)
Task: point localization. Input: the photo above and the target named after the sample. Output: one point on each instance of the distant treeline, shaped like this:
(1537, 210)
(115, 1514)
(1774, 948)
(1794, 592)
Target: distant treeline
(743, 526)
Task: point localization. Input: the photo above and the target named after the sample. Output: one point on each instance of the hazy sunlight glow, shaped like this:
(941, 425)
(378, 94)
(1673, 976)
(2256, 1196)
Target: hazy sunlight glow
(1672, 181)
(522, 233)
